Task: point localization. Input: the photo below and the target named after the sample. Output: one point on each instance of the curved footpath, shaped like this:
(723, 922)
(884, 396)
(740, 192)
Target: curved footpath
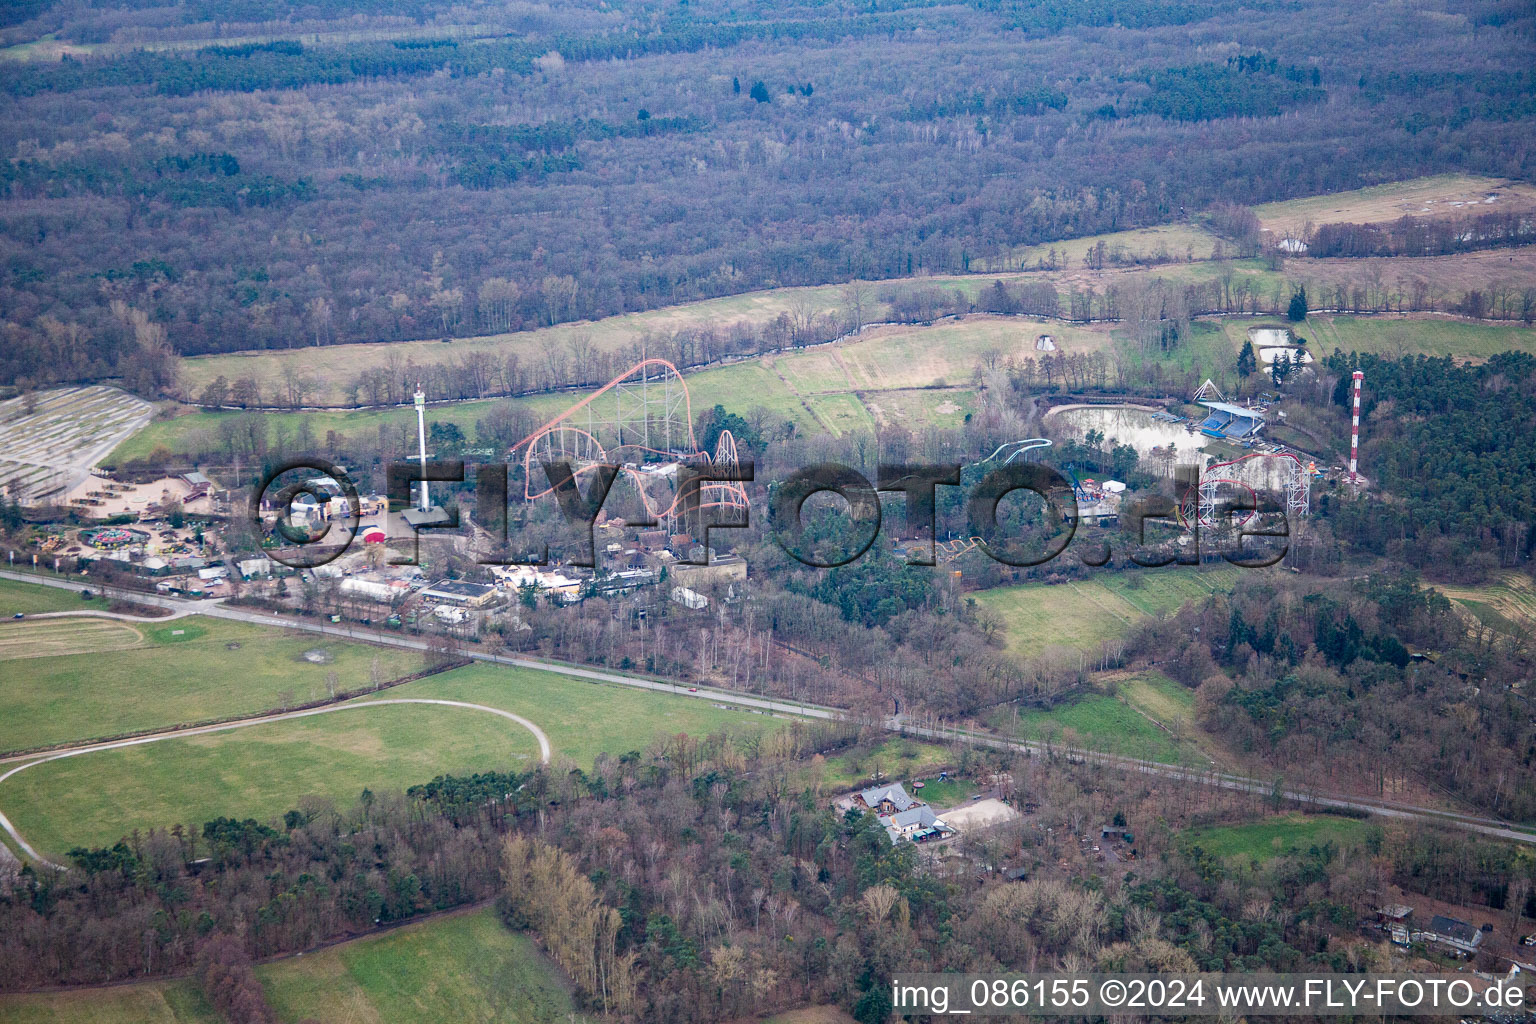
(1495, 827)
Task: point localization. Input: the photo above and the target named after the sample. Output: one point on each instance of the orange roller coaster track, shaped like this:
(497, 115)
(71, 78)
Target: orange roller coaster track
(651, 414)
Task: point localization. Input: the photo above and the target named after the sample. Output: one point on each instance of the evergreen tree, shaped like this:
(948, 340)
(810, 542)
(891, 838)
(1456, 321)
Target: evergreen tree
(1297, 312)
(1247, 362)
(760, 92)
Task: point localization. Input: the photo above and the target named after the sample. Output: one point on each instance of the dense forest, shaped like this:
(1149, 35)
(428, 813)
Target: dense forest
(587, 160)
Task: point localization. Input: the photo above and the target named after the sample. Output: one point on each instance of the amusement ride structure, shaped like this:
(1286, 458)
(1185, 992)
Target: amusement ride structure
(1206, 507)
(642, 420)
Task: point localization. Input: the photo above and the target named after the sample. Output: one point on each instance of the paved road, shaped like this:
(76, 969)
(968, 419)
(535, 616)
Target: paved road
(1237, 783)
(244, 723)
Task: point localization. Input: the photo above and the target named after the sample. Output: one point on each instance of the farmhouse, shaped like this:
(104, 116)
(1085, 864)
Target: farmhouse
(1452, 933)
(918, 824)
(887, 800)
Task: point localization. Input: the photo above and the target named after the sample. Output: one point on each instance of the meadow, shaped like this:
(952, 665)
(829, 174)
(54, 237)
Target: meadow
(1438, 195)
(584, 719)
(259, 771)
(1277, 836)
(1393, 336)
(1164, 243)
(459, 968)
(1507, 605)
(465, 968)
(262, 770)
(1083, 613)
(182, 671)
(1126, 723)
(165, 1002)
(31, 598)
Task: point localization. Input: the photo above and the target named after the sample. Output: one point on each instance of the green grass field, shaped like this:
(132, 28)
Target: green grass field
(1160, 698)
(1273, 837)
(584, 719)
(259, 771)
(1430, 336)
(1082, 614)
(945, 793)
(31, 597)
(1111, 724)
(187, 672)
(461, 969)
(171, 1002)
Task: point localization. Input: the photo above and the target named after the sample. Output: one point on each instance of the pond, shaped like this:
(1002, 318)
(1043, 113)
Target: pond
(1142, 429)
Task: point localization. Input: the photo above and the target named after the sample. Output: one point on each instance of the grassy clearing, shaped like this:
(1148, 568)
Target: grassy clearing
(462, 969)
(1164, 242)
(1438, 195)
(1098, 722)
(945, 793)
(181, 674)
(584, 719)
(260, 771)
(1081, 614)
(1037, 615)
(945, 409)
(1508, 605)
(842, 414)
(173, 1002)
(32, 598)
(1408, 335)
(895, 759)
(1274, 837)
(1207, 352)
(1160, 698)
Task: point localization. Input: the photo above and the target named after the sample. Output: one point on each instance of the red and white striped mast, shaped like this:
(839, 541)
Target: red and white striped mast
(1354, 430)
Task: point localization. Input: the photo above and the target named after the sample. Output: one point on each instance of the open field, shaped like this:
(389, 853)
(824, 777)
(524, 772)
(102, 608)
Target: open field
(1081, 614)
(165, 1002)
(260, 771)
(1098, 722)
(945, 409)
(182, 673)
(1439, 195)
(1393, 336)
(1160, 698)
(31, 598)
(465, 968)
(50, 638)
(1508, 605)
(1165, 242)
(1273, 837)
(583, 719)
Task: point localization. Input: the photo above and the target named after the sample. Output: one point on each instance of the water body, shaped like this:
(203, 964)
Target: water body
(1127, 424)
